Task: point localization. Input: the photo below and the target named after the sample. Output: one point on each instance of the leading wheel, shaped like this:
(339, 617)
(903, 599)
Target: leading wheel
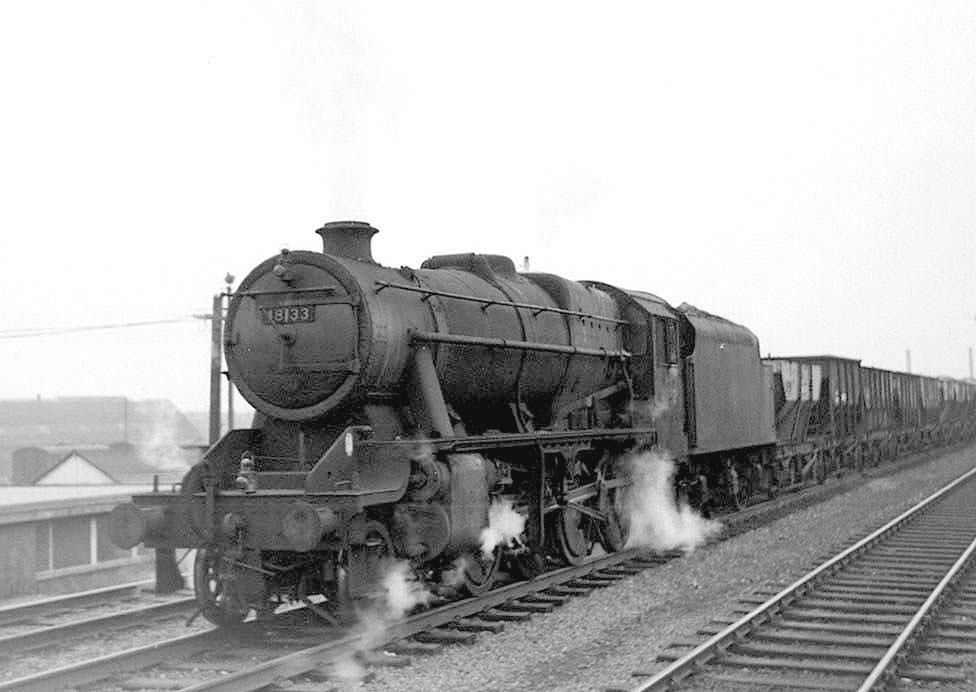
(480, 570)
(214, 582)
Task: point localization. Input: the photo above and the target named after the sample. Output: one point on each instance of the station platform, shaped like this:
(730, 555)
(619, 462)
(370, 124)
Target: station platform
(54, 540)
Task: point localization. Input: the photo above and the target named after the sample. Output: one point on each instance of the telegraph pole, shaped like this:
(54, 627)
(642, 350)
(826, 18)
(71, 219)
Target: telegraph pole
(216, 323)
(229, 280)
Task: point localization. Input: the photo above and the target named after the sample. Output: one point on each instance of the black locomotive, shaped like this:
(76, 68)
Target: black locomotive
(396, 406)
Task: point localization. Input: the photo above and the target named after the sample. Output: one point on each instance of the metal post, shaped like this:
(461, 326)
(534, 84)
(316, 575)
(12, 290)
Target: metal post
(216, 321)
(168, 576)
(230, 404)
(229, 281)
(908, 360)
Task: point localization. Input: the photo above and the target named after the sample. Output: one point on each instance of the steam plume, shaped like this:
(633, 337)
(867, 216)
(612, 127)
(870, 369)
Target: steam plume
(656, 520)
(402, 592)
(504, 525)
(454, 576)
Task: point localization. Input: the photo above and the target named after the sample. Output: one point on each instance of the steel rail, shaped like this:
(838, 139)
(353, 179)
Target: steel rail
(684, 666)
(894, 654)
(16, 642)
(297, 662)
(303, 661)
(106, 666)
(16, 611)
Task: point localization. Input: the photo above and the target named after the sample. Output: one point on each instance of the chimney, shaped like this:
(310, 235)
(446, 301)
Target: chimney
(348, 239)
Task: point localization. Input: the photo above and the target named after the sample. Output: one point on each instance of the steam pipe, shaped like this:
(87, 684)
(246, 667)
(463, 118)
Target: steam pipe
(428, 389)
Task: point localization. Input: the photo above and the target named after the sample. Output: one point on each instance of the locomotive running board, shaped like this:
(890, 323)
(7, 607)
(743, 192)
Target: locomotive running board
(477, 443)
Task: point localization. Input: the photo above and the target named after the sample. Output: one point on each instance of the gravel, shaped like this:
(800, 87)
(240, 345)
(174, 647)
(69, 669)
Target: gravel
(596, 641)
(600, 640)
(93, 645)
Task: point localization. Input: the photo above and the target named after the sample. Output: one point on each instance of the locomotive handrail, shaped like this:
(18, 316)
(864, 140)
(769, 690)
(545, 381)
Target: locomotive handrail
(488, 302)
(284, 291)
(498, 342)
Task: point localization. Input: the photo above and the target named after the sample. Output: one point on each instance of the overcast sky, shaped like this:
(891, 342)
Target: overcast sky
(807, 169)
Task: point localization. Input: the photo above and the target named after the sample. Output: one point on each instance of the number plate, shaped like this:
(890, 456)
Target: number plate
(288, 314)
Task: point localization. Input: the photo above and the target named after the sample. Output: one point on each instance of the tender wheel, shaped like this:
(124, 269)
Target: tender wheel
(480, 571)
(214, 585)
(743, 488)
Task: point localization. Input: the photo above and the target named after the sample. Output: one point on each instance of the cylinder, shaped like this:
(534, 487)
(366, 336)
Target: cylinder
(304, 525)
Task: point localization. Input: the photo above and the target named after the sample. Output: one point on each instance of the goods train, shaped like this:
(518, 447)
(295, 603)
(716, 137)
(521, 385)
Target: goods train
(396, 407)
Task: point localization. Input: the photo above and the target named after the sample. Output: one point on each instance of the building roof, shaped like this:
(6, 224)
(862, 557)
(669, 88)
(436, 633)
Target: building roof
(123, 463)
(82, 422)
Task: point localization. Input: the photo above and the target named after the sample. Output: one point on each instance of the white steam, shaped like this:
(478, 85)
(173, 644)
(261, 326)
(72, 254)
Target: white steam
(504, 525)
(454, 575)
(662, 403)
(402, 592)
(655, 519)
(347, 671)
(157, 437)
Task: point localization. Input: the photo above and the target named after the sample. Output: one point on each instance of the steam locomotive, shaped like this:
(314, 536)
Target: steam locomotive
(395, 407)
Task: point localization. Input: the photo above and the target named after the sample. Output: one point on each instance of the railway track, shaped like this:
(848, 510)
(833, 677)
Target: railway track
(260, 655)
(57, 621)
(898, 606)
(252, 658)
(11, 615)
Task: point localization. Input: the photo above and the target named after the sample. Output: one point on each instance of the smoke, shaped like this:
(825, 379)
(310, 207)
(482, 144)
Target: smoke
(454, 576)
(504, 525)
(655, 519)
(156, 435)
(402, 592)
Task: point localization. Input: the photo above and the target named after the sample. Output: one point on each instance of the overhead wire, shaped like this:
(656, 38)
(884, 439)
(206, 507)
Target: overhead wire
(30, 332)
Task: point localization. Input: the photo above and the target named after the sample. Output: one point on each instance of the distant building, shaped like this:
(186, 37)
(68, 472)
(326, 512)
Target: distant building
(120, 437)
(120, 463)
(74, 469)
